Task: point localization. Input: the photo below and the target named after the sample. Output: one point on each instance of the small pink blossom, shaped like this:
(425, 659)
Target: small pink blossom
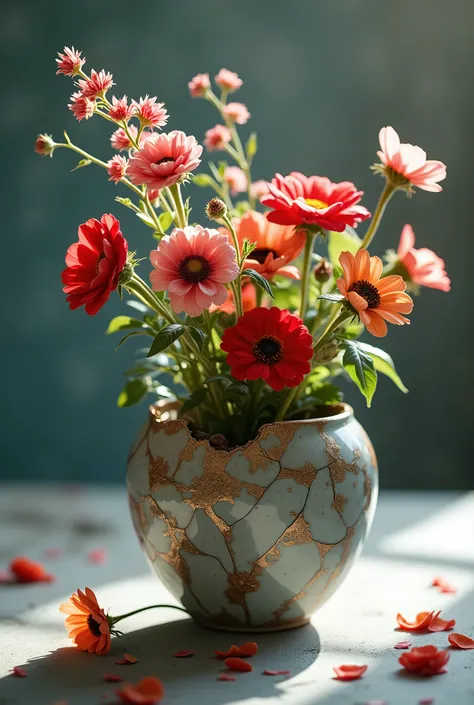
(199, 84)
(164, 159)
(237, 112)
(193, 264)
(117, 168)
(96, 85)
(70, 63)
(120, 140)
(44, 145)
(217, 138)
(258, 188)
(423, 266)
(81, 106)
(403, 645)
(149, 112)
(409, 161)
(120, 109)
(228, 80)
(236, 179)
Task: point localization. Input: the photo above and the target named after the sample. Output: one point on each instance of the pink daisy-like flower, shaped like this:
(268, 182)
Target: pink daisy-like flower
(70, 63)
(228, 80)
(236, 179)
(237, 112)
(164, 159)
(423, 266)
(199, 84)
(149, 112)
(117, 168)
(82, 107)
(406, 165)
(120, 140)
(217, 138)
(258, 188)
(298, 200)
(193, 264)
(96, 85)
(120, 109)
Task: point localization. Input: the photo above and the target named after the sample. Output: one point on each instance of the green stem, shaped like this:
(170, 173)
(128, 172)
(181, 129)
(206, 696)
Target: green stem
(180, 215)
(334, 322)
(114, 620)
(305, 281)
(237, 286)
(385, 197)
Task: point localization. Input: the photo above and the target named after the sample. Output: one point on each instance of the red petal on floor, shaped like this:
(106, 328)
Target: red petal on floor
(426, 701)
(443, 585)
(460, 641)
(146, 692)
(112, 678)
(238, 664)
(403, 645)
(420, 624)
(226, 677)
(183, 654)
(26, 571)
(98, 556)
(250, 648)
(349, 672)
(441, 625)
(19, 671)
(269, 672)
(127, 659)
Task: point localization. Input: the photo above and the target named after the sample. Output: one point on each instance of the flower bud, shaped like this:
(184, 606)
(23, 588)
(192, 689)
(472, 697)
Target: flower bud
(216, 209)
(45, 145)
(323, 271)
(326, 353)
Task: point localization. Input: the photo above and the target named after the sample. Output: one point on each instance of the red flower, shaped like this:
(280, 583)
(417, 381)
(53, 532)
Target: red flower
(26, 571)
(271, 344)
(426, 660)
(315, 200)
(94, 264)
(120, 109)
(70, 63)
(96, 85)
(81, 106)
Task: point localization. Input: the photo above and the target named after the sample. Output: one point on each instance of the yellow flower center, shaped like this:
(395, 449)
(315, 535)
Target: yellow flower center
(315, 203)
(194, 265)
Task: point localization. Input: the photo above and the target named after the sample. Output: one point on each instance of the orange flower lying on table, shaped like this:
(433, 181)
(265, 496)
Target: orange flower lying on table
(87, 623)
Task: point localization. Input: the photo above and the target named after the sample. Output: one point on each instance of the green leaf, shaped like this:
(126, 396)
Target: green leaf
(131, 335)
(360, 368)
(251, 146)
(341, 242)
(194, 400)
(132, 393)
(259, 280)
(248, 247)
(219, 378)
(198, 336)
(204, 180)
(138, 306)
(165, 219)
(383, 363)
(82, 164)
(147, 220)
(165, 338)
(124, 323)
(331, 297)
(238, 392)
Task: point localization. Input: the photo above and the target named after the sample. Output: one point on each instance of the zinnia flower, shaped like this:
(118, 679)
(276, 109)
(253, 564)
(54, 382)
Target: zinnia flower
(237, 112)
(217, 137)
(199, 84)
(270, 344)
(193, 264)
(81, 106)
(236, 179)
(149, 112)
(314, 200)
(406, 165)
(70, 63)
(117, 168)
(96, 85)
(120, 109)
(376, 300)
(425, 660)
(423, 266)
(277, 245)
(228, 80)
(87, 623)
(94, 264)
(164, 159)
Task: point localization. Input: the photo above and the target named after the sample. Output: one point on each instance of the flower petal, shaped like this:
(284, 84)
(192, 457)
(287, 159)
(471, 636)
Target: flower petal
(349, 672)
(460, 641)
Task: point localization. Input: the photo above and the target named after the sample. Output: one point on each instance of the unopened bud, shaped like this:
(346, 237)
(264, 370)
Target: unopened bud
(216, 209)
(323, 271)
(127, 272)
(45, 145)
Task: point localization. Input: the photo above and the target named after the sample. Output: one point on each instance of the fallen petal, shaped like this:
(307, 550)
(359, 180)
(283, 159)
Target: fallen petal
(269, 672)
(441, 625)
(426, 701)
(183, 654)
(226, 677)
(250, 648)
(443, 585)
(349, 672)
(112, 678)
(98, 556)
(238, 664)
(19, 671)
(460, 641)
(127, 659)
(403, 645)
(146, 692)
(421, 623)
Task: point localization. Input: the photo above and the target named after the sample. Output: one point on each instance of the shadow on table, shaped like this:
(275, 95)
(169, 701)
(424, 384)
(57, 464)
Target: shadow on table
(79, 677)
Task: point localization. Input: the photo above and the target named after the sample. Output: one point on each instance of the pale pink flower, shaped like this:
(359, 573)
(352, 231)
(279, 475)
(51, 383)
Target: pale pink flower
(237, 112)
(193, 264)
(164, 159)
(119, 139)
(149, 112)
(423, 266)
(236, 179)
(199, 84)
(217, 138)
(81, 106)
(409, 161)
(96, 85)
(70, 63)
(228, 80)
(117, 168)
(258, 188)
(120, 109)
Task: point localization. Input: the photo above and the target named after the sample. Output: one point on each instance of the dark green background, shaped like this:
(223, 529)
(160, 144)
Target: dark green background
(320, 78)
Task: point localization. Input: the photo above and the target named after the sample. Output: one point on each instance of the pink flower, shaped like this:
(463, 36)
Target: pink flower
(235, 177)
(199, 84)
(117, 168)
(70, 63)
(423, 266)
(258, 188)
(119, 139)
(164, 159)
(149, 112)
(228, 80)
(315, 200)
(217, 138)
(82, 107)
(409, 162)
(44, 145)
(96, 85)
(120, 109)
(193, 264)
(153, 194)
(237, 112)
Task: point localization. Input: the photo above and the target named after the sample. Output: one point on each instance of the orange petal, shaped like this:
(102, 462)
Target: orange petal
(250, 648)
(19, 672)
(349, 672)
(226, 677)
(269, 672)
(421, 623)
(441, 625)
(460, 641)
(146, 692)
(183, 654)
(238, 664)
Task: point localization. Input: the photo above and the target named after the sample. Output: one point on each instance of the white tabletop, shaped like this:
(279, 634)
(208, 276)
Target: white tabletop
(415, 537)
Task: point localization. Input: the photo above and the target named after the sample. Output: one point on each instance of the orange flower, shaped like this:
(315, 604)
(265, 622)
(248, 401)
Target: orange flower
(249, 300)
(426, 660)
(87, 623)
(146, 692)
(277, 245)
(376, 300)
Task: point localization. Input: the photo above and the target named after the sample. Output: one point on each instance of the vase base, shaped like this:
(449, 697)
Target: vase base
(250, 629)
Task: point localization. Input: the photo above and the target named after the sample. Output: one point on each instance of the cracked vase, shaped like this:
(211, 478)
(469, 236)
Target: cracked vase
(255, 538)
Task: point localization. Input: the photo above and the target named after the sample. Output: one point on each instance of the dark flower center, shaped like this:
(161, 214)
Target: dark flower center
(261, 254)
(194, 268)
(268, 350)
(164, 160)
(368, 291)
(94, 626)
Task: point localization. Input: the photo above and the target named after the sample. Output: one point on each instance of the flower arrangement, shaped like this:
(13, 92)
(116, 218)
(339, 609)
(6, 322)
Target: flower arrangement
(245, 315)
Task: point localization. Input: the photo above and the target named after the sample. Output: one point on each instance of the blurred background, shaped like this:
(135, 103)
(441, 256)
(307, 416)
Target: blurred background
(320, 79)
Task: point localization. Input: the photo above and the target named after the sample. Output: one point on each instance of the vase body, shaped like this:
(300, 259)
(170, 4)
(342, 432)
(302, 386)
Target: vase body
(259, 537)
